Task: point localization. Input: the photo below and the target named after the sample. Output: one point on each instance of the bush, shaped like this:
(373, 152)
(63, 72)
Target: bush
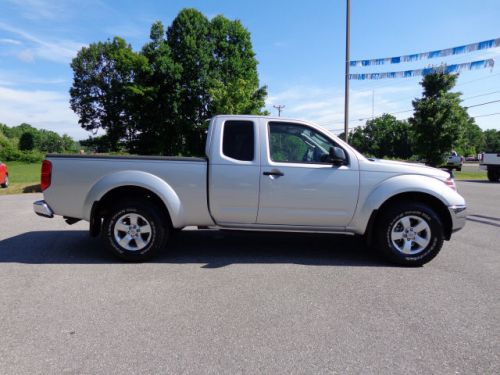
(30, 156)
(9, 152)
(27, 142)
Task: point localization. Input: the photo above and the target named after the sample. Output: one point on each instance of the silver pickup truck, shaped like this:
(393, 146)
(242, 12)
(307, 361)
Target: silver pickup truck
(260, 174)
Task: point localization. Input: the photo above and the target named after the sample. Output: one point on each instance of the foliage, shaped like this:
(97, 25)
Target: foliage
(157, 100)
(27, 142)
(439, 122)
(491, 140)
(104, 87)
(100, 144)
(384, 136)
(287, 147)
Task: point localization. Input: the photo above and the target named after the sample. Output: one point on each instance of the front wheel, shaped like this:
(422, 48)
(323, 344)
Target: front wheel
(5, 182)
(135, 231)
(410, 234)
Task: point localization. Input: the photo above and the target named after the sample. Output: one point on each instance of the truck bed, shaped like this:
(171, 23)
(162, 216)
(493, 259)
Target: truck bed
(491, 158)
(74, 178)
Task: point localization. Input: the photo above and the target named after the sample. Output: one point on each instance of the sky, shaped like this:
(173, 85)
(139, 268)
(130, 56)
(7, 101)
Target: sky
(300, 46)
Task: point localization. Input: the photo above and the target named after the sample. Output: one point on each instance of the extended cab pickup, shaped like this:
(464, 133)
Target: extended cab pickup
(261, 174)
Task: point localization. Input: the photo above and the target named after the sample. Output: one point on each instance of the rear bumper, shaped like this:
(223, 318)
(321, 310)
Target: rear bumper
(41, 208)
(458, 217)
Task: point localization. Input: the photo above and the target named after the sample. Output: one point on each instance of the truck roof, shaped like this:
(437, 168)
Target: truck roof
(260, 116)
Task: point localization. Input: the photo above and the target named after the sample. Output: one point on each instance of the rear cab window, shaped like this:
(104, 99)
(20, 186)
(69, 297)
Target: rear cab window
(238, 140)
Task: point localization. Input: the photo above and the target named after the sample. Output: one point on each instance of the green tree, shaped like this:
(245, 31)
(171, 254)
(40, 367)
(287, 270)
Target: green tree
(158, 107)
(99, 144)
(439, 120)
(104, 88)
(27, 142)
(69, 144)
(471, 139)
(49, 141)
(384, 136)
(189, 41)
(7, 148)
(158, 100)
(234, 82)
(491, 140)
(18, 131)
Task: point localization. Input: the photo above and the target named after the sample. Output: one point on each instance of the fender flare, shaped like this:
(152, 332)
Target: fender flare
(396, 185)
(136, 179)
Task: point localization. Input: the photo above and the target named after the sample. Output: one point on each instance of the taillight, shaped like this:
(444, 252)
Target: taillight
(46, 174)
(450, 182)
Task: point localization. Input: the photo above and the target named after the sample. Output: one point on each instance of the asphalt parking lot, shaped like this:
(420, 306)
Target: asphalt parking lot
(247, 303)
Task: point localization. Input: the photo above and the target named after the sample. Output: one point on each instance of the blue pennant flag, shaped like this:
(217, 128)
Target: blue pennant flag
(455, 68)
(492, 43)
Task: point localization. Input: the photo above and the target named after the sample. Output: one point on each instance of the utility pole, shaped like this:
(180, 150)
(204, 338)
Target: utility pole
(279, 107)
(347, 45)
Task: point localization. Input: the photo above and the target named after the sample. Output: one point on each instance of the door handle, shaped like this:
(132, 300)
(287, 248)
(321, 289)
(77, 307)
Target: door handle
(274, 172)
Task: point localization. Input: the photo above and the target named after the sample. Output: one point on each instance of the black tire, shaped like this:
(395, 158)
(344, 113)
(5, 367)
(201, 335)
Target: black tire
(390, 226)
(493, 174)
(155, 231)
(459, 169)
(6, 182)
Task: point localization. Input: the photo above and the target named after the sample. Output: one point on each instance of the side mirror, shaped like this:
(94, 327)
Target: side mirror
(337, 156)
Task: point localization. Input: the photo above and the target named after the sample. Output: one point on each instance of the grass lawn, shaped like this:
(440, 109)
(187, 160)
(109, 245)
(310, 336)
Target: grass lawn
(23, 177)
(479, 175)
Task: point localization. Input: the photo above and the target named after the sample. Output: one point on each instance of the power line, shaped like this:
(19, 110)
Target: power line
(410, 110)
(488, 114)
(467, 98)
(477, 79)
(464, 99)
(480, 104)
(485, 94)
(413, 97)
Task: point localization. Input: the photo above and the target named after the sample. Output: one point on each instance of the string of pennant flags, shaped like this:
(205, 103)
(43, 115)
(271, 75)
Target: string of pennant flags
(467, 48)
(455, 68)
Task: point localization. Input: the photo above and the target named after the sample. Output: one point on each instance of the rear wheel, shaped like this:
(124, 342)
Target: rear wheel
(5, 182)
(135, 231)
(409, 234)
(493, 174)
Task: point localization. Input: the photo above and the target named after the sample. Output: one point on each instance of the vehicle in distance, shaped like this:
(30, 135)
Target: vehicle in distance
(260, 174)
(491, 162)
(4, 175)
(455, 161)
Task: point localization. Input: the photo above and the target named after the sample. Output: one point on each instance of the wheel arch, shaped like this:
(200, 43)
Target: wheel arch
(417, 197)
(102, 207)
(131, 185)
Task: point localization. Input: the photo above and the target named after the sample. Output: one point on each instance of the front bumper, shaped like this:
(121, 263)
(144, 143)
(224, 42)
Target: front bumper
(458, 217)
(41, 208)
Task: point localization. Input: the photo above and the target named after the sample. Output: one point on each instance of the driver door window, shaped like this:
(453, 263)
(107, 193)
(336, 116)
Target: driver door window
(294, 143)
